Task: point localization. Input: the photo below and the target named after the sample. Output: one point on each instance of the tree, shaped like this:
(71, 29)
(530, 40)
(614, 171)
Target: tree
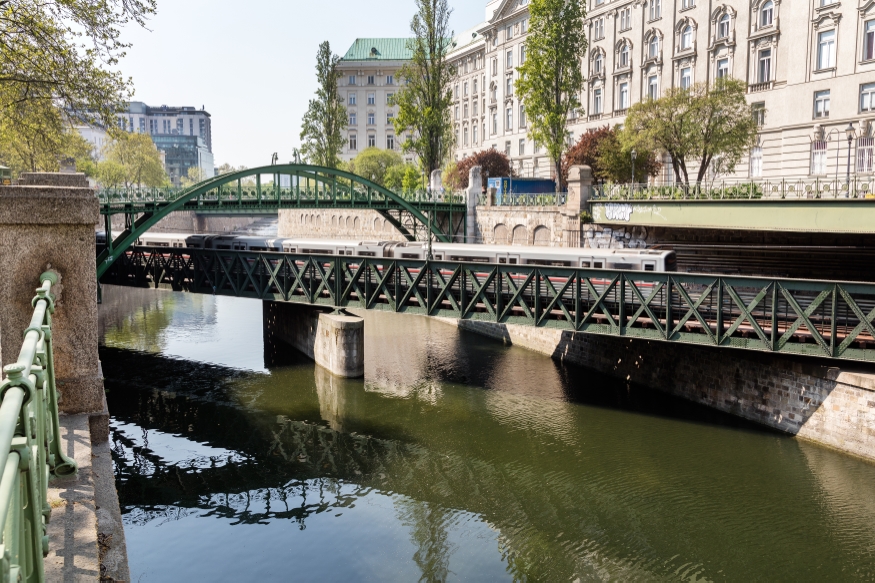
(193, 176)
(132, 160)
(407, 178)
(227, 169)
(696, 124)
(614, 161)
(321, 135)
(551, 77)
(62, 53)
(424, 99)
(492, 163)
(375, 164)
(585, 153)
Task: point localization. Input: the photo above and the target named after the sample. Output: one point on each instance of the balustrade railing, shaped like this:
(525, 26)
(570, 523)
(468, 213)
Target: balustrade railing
(29, 446)
(744, 189)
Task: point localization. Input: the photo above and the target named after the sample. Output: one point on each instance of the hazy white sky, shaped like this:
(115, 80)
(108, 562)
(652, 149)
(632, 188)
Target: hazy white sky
(251, 63)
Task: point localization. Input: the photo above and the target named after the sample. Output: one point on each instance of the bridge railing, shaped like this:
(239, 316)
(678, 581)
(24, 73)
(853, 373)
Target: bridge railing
(744, 189)
(29, 445)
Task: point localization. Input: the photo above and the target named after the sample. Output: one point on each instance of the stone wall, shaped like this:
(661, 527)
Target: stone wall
(336, 224)
(809, 398)
(548, 226)
(191, 222)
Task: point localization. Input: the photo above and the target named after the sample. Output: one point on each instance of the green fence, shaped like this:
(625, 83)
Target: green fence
(29, 446)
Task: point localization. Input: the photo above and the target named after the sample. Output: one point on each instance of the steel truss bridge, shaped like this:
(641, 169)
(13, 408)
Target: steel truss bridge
(801, 317)
(310, 187)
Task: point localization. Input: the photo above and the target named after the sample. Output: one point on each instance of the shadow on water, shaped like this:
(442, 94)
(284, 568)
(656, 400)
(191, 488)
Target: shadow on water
(494, 463)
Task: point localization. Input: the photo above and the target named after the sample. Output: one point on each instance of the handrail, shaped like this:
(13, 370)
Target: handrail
(29, 445)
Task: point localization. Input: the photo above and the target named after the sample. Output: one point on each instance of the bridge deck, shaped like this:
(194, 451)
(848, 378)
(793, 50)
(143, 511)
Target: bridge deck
(804, 317)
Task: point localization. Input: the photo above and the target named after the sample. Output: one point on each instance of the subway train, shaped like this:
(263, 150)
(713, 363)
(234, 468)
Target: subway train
(621, 259)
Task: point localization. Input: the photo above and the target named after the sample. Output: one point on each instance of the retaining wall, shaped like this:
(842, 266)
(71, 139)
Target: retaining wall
(811, 399)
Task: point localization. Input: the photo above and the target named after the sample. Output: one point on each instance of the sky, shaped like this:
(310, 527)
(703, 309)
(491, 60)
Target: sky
(251, 64)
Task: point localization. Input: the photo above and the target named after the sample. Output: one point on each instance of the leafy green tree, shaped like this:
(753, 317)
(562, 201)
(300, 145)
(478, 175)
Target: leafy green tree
(64, 52)
(375, 164)
(132, 160)
(699, 124)
(193, 176)
(406, 177)
(551, 78)
(321, 131)
(425, 97)
(614, 161)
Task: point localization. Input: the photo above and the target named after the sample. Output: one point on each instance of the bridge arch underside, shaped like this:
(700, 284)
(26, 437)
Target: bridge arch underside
(305, 187)
(807, 318)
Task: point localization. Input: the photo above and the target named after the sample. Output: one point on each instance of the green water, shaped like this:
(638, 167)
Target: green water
(455, 458)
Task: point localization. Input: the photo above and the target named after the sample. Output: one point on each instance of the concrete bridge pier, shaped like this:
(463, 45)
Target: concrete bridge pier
(335, 340)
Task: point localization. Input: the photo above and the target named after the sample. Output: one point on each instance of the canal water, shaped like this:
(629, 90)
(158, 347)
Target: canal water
(455, 458)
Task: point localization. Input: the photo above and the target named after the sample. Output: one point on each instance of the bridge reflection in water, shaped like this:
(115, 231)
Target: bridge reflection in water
(454, 458)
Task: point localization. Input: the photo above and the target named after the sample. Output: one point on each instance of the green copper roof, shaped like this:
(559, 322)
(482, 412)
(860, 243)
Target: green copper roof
(378, 49)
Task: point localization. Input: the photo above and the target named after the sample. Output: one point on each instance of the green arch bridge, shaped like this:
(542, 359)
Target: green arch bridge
(311, 187)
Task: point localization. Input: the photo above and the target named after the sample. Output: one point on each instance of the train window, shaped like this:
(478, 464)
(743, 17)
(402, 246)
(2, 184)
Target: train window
(290, 250)
(317, 251)
(548, 262)
(438, 257)
(512, 261)
(649, 266)
(597, 264)
(223, 246)
(367, 254)
(502, 260)
(623, 266)
(584, 263)
(470, 259)
(409, 256)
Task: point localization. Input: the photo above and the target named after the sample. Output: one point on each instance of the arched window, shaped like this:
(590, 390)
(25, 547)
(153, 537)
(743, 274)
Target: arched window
(767, 13)
(723, 26)
(598, 63)
(624, 56)
(653, 49)
(687, 37)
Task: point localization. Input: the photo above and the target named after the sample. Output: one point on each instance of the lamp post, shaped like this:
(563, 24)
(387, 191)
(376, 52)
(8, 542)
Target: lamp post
(634, 155)
(850, 133)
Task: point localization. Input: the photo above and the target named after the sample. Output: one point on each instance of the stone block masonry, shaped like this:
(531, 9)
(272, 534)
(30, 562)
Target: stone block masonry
(336, 341)
(810, 399)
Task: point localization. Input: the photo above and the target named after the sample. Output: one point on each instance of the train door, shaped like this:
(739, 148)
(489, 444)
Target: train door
(513, 259)
(648, 265)
(238, 246)
(585, 262)
(345, 251)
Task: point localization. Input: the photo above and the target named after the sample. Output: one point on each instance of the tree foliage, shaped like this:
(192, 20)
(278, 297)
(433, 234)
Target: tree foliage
(375, 164)
(492, 163)
(424, 99)
(697, 124)
(615, 161)
(132, 160)
(321, 130)
(551, 78)
(585, 153)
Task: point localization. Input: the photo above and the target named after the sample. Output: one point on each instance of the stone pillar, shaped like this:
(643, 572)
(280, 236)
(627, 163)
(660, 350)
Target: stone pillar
(48, 221)
(579, 194)
(435, 183)
(336, 341)
(475, 187)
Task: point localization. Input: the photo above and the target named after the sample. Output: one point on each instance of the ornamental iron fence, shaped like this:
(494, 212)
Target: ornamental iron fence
(744, 189)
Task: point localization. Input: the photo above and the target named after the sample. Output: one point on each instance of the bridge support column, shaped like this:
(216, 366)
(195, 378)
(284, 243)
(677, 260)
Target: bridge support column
(336, 341)
(475, 186)
(47, 223)
(577, 202)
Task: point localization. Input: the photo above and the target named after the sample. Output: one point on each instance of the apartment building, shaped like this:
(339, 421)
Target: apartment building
(368, 84)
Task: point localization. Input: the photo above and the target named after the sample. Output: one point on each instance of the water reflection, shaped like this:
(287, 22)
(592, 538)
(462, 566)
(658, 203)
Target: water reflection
(460, 458)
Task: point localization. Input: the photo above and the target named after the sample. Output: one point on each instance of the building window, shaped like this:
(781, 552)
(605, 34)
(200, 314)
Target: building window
(758, 110)
(507, 149)
(352, 98)
(508, 90)
(818, 157)
(509, 62)
(372, 119)
(597, 101)
(723, 27)
(508, 121)
(456, 90)
(598, 28)
(867, 97)
(686, 77)
(623, 96)
(456, 113)
(597, 64)
(508, 33)
(653, 46)
(767, 13)
(821, 103)
(352, 79)
(865, 148)
(756, 162)
(624, 56)
(494, 123)
(722, 68)
(652, 87)
(475, 86)
(668, 175)
(522, 148)
(372, 98)
(655, 9)
(687, 38)
(352, 118)
(869, 40)
(353, 145)
(465, 89)
(826, 49)
(625, 19)
(524, 25)
(465, 110)
(522, 116)
(465, 137)
(390, 99)
(522, 54)
(372, 140)
(370, 79)
(474, 135)
(765, 66)
(390, 79)
(390, 117)
(687, 4)
(474, 103)
(390, 142)
(494, 66)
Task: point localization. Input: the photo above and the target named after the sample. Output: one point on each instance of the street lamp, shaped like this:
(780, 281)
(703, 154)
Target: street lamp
(850, 133)
(634, 155)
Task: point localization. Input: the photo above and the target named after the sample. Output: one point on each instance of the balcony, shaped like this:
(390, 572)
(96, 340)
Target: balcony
(594, 116)
(623, 111)
(757, 87)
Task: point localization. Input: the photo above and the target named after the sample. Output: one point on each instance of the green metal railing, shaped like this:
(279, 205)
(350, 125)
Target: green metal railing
(859, 187)
(29, 446)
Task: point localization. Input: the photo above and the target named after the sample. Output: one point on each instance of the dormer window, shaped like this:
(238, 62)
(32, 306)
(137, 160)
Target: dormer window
(723, 27)
(687, 37)
(767, 14)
